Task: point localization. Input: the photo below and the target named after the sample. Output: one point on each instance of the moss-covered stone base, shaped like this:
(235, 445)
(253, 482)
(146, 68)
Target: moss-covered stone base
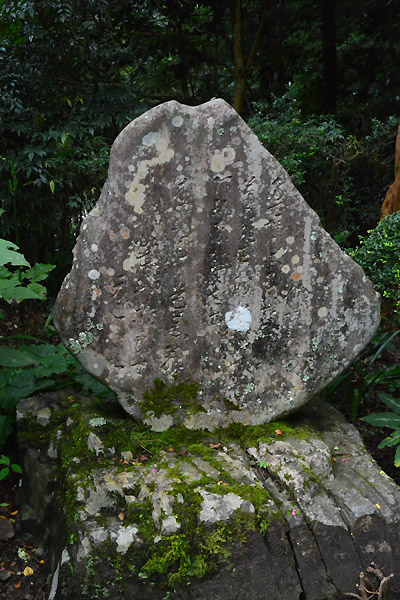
(289, 510)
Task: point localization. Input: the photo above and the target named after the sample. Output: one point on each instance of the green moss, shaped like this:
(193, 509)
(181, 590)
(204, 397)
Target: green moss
(164, 399)
(195, 549)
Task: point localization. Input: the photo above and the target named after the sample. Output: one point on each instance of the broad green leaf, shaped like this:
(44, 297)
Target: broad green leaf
(37, 288)
(38, 272)
(390, 401)
(8, 254)
(33, 291)
(4, 460)
(20, 293)
(391, 440)
(383, 419)
(23, 384)
(52, 186)
(11, 357)
(16, 468)
(7, 285)
(4, 472)
(6, 376)
(397, 457)
(53, 364)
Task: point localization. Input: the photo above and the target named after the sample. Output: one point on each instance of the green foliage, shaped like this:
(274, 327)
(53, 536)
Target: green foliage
(30, 369)
(378, 255)
(22, 283)
(360, 381)
(303, 144)
(8, 467)
(16, 384)
(339, 174)
(388, 419)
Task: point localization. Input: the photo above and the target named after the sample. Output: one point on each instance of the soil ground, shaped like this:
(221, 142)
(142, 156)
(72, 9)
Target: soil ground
(19, 549)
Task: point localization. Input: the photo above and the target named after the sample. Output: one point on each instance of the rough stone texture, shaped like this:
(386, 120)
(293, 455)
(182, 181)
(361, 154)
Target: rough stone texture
(201, 262)
(308, 522)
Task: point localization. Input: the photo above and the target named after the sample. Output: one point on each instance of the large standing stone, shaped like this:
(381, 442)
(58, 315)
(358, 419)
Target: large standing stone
(201, 262)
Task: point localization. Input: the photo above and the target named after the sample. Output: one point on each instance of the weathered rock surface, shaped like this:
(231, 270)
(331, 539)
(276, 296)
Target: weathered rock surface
(191, 517)
(201, 262)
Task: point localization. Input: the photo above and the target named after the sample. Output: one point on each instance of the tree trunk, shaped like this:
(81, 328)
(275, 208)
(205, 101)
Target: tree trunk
(329, 64)
(244, 67)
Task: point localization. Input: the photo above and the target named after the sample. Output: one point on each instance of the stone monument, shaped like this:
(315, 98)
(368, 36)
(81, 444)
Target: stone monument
(202, 265)
(205, 293)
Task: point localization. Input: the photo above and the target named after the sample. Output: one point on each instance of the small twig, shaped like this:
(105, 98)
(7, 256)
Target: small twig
(383, 587)
(366, 594)
(40, 589)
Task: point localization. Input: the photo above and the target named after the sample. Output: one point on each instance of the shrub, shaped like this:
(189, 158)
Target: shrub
(379, 255)
(343, 176)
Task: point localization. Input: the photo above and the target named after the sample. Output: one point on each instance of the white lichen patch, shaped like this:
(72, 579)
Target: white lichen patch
(93, 274)
(217, 163)
(280, 253)
(177, 121)
(260, 223)
(218, 507)
(169, 525)
(44, 416)
(238, 319)
(134, 260)
(125, 537)
(322, 312)
(95, 444)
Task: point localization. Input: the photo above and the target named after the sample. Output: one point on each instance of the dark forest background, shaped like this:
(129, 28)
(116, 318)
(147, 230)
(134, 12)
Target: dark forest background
(317, 80)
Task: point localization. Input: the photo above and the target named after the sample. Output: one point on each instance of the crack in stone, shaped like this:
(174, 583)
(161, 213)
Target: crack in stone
(302, 595)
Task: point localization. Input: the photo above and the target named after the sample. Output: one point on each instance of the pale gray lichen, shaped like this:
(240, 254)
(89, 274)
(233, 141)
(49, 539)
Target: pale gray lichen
(97, 422)
(249, 388)
(84, 338)
(73, 346)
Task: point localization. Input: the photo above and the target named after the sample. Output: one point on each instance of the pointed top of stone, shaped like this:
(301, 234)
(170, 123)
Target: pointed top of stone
(201, 263)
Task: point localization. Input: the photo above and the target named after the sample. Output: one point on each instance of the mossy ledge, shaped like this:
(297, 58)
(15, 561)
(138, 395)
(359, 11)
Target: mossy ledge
(152, 488)
(157, 515)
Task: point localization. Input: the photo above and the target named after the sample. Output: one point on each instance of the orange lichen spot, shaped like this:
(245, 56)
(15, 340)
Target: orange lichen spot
(125, 233)
(113, 236)
(111, 289)
(296, 276)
